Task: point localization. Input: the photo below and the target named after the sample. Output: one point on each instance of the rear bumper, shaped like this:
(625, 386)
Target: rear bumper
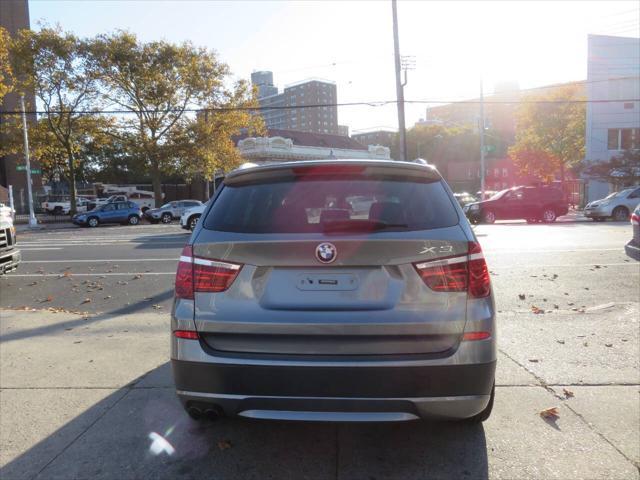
(9, 260)
(335, 393)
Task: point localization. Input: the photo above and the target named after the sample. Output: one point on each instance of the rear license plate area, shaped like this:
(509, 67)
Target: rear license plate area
(327, 281)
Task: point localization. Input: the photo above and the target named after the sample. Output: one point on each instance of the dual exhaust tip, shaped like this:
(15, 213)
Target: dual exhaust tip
(213, 412)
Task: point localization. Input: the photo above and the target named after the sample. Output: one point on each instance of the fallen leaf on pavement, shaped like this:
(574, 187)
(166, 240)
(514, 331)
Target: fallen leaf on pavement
(67, 273)
(33, 284)
(86, 300)
(534, 360)
(48, 299)
(608, 344)
(522, 296)
(157, 307)
(586, 344)
(224, 444)
(107, 297)
(536, 310)
(551, 413)
(136, 277)
(561, 342)
(567, 393)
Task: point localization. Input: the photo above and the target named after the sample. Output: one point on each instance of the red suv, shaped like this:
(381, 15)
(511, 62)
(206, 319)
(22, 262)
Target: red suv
(533, 204)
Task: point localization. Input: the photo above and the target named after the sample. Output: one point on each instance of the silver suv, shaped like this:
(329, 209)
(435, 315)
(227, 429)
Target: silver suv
(169, 211)
(291, 304)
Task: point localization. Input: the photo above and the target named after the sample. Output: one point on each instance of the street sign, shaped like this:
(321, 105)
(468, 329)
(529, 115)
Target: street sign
(489, 148)
(34, 171)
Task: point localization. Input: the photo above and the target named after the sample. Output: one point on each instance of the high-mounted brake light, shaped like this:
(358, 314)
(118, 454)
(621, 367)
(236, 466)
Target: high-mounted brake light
(462, 273)
(197, 274)
(328, 170)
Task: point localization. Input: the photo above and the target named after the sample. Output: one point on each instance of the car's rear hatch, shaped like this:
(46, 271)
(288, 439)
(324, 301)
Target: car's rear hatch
(311, 273)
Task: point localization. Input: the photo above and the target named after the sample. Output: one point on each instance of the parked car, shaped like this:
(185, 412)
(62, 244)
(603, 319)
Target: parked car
(189, 218)
(10, 255)
(533, 204)
(170, 211)
(617, 205)
(633, 247)
(464, 198)
(281, 314)
(117, 212)
(62, 206)
(143, 199)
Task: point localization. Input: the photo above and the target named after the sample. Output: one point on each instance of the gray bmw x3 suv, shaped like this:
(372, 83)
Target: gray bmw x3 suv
(294, 303)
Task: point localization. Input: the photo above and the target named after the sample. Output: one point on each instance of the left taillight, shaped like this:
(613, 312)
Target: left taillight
(197, 274)
(463, 273)
(635, 219)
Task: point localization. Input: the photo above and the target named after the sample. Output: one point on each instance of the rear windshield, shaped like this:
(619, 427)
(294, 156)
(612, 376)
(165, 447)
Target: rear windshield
(348, 205)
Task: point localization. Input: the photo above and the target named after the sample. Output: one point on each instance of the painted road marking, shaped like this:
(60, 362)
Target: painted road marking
(98, 274)
(567, 265)
(105, 260)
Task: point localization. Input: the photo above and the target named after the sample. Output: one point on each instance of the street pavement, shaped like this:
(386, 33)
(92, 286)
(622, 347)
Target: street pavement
(86, 390)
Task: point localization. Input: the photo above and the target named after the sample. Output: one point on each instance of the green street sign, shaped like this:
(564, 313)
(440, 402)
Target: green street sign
(23, 168)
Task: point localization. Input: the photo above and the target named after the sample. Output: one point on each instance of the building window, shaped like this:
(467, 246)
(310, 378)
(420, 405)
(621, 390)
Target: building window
(623, 138)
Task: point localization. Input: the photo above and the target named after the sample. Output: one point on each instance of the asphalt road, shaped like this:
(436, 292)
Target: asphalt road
(89, 394)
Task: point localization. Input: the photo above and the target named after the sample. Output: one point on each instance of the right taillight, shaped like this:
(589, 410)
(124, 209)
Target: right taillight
(635, 219)
(458, 274)
(197, 274)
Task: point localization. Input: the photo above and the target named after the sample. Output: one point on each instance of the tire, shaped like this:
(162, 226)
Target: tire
(193, 221)
(488, 217)
(599, 219)
(620, 214)
(166, 218)
(93, 222)
(548, 215)
(486, 413)
(134, 219)
(57, 211)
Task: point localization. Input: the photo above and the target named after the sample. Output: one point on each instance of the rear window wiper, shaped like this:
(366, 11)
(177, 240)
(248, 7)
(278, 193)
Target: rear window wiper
(359, 226)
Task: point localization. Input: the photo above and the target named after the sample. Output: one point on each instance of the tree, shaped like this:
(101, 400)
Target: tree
(6, 74)
(550, 132)
(621, 170)
(205, 145)
(158, 82)
(58, 67)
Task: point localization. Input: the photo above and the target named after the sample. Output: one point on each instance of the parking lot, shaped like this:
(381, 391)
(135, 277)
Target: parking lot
(86, 388)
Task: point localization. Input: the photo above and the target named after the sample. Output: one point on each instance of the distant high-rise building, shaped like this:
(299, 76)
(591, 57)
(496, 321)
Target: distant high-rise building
(307, 106)
(264, 81)
(14, 16)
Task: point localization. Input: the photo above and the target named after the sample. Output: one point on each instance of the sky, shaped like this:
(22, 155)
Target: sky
(455, 43)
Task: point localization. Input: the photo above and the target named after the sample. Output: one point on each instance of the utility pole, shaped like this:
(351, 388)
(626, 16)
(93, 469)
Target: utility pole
(32, 217)
(482, 169)
(399, 87)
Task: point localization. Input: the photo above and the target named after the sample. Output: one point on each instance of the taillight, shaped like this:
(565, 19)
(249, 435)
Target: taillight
(635, 219)
(196, 274)
(479, 281)
(458, 274)
(449, 275)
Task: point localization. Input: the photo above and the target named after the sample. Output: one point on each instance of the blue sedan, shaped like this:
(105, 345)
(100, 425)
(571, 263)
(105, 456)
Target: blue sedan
(116, 212)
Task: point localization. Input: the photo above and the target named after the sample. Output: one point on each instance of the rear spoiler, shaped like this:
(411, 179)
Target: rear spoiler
(326, 169)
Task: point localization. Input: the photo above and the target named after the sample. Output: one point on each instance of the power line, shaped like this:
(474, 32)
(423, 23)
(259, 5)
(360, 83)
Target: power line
(380, 103)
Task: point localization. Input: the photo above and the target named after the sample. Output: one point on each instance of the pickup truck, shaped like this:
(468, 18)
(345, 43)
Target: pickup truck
(63, 206)
(9, 254)
(143, 200)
